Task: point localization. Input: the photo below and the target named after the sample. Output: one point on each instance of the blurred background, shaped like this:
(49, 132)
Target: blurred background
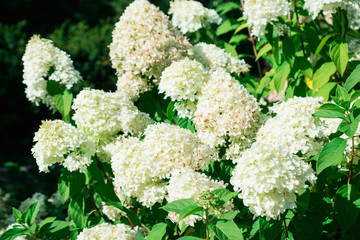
(82, 28)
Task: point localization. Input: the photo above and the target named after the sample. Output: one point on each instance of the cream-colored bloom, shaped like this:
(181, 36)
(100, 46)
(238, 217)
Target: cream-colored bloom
(213, 57)
(316, 6)
(140, 167)
(144, 41)
(261, 12)
(106, 231)
(43, 61)
(190, 15)
(113, 213)
(55, 140)
(225, 109)
(132, 85)
(103, 115)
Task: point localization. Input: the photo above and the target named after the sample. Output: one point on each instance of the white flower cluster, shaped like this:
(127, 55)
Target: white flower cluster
(269, 174)
(132, 85)
(144, 41)
(268, 179)
(353, 10)
(192, 184)
(102, 115)
(141, 166)
(106, 231)
(60, 142)
(43, 61)
(213, 57)
(113, 213)
(225, 109)
(261, 12)
(190, 15)
(316, 6)
(183, 80)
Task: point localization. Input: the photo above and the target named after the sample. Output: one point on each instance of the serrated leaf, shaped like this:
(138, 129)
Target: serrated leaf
(230, 215)
(345, 207)
(157, 232)
(230, 49)
(241, 27)
(266, 48)
(236, 39)
(178, 205)
(12, 233)
(189, 238)
(331, 155)
(325, 91)
(322, 43)
(353, 79)
(304, 66)
(76, 211)
(323, 74)
(339, 54)
(63, 103)
(227, 230)
(280, 76)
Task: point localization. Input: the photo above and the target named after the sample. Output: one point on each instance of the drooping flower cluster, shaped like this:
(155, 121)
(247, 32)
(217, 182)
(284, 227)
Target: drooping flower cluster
(192, 184)
(261, 12)
(213, 57)
(269, 174)
(190, 15)
(316, 6)
(144, 41)
(106, 231)
(102, 115)
(141, 166)
(43, 61)
(225, 109)
(60, 142)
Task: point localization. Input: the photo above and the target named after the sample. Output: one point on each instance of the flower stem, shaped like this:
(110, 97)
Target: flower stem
(352, 159)
(92, 200)
(285, 229)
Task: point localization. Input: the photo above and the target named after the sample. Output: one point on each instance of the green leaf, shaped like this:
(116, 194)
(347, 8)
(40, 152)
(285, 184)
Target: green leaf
(329, 110)
(227, 7)
(236, 39)
(353, 79)
(53, 87)
(186, 123)
(63, 103)
(76, 211)
(230, 215)
(157, 232)
(322, 43)
(230, 49)
(64, 185)
(269, 230)
(77, 183)
(227, 26)
(191, 210)
(178, 205)
(170, 111)
(30, 213)
(349, 128)
(16, 214)
(288, 50)
(241, 27)
(302, 202)
(59, 230)
(345, 207)
(304, 66)
(325, 91)
(12, 233)
(43, 226)
(280, 76)
(323, 74)
(107, 195)
(189, 238)
(332, 154)
(227, 230)
(266, 48)
(224, 194)
(339, 54)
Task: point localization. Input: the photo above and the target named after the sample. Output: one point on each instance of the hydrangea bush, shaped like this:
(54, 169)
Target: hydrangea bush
(191, 145)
